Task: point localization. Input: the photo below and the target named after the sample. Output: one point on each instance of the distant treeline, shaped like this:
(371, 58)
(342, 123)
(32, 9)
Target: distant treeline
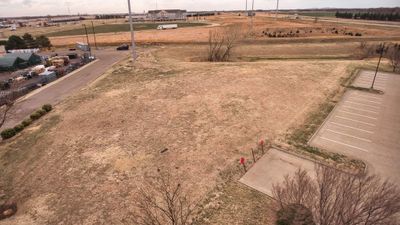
(369, 16)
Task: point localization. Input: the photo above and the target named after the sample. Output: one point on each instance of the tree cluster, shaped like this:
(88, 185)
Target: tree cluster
(336, 198)
(27, 41)
(391, 51)
(369, 16)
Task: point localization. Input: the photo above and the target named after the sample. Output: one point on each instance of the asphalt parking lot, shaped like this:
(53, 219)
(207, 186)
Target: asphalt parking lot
(366, 126)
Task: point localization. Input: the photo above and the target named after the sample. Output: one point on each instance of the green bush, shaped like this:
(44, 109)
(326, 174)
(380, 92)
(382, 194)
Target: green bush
(35, 115)
(295, 215)
(41, 112)
(47, 107)
(19, 128)
(8, 133)
(27, 122)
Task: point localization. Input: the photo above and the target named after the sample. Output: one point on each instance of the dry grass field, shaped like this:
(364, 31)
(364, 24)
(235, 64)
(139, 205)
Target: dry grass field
(83, 162)
(172, 111)
(308, 31)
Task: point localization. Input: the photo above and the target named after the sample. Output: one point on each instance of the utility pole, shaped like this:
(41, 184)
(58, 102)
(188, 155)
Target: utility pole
(132, 34)
(94, 35)
(277, 9)
(381, 50)
(246, 9)
(252, 15)
(87, 39)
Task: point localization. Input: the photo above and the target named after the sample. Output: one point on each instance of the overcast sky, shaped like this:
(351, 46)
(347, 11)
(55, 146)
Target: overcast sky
(53, 7)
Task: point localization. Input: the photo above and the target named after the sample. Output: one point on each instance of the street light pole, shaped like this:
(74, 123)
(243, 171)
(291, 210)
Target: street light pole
(381, 50)
(132, 34)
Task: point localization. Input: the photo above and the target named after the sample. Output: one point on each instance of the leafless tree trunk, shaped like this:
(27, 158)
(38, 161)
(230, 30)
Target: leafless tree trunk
(221, 41)
(338, 198)
(163, 201)
(393, 54)
(4, 110)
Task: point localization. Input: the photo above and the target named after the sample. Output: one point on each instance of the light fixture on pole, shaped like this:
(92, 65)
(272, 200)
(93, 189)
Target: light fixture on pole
(132, 34)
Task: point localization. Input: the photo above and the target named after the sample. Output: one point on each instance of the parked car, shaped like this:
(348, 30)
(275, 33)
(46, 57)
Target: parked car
(123, 47)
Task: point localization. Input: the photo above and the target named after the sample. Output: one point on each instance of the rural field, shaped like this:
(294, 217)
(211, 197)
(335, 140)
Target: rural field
(174, 111)
(308, 31)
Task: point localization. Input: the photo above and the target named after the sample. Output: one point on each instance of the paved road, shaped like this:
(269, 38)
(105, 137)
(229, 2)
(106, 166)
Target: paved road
(55, 92)
(367, 126)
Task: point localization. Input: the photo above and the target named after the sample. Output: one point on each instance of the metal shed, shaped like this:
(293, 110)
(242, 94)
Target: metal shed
(11, 63)
(31, 58)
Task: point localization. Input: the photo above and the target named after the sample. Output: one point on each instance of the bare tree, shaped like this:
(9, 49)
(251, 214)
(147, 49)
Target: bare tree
(338, 198)
(393, 54)
(221, 41)
(4, 110)
(163, 201)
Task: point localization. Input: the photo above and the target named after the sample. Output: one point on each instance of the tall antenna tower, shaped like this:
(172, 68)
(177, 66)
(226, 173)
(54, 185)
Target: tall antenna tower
(277, 8)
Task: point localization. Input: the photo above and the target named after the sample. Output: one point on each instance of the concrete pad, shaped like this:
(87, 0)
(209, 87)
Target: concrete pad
(272, 168)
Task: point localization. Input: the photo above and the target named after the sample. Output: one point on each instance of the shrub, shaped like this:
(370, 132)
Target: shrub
(27, 122)
(47, 107)
(295, 214)
(8, 133)
(35, 116)
(19, 128)
(41, 112)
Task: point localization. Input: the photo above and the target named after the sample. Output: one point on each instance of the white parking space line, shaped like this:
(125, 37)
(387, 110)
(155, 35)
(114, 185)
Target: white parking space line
(367, 96)
(338, 142)
(357, 114)
(364, 110)
(363, 104)
(348, 135)
(358, 121)
(354, 128)
(372, 79)
(360, 99)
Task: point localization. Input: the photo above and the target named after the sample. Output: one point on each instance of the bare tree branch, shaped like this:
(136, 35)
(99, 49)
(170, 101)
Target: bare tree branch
(163, 201)
(338, 198)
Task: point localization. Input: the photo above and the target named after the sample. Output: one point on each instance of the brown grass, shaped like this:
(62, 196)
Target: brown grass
(85, 166)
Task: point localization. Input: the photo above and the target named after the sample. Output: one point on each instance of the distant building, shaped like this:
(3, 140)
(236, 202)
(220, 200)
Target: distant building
(64, 19)
(138, 17)
(167, 14)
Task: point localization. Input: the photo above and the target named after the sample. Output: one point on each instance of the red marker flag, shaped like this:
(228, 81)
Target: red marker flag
(242, 161)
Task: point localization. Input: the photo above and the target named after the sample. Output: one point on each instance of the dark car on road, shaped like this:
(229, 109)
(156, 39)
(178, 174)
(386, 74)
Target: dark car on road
(123, 47)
